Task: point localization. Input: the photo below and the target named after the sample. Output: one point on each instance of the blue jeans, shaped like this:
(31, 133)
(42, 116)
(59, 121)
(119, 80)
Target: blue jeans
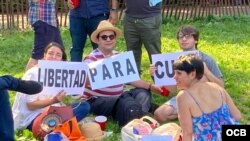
(106, 105)
(79, 29)
(80, 110)
(6, 120)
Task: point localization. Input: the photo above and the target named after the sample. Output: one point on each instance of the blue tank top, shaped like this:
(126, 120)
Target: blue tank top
(208, 126)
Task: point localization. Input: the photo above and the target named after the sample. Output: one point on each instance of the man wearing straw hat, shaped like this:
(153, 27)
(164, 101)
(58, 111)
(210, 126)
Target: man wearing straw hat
(103, 100)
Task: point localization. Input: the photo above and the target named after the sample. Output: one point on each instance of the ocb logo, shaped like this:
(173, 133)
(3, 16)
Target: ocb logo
(236, 132)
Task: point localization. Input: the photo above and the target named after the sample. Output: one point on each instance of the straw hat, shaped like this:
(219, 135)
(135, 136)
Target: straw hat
(92, 131)
(103, 26)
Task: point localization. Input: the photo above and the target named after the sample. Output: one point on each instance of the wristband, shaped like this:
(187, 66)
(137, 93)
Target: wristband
(149, 87)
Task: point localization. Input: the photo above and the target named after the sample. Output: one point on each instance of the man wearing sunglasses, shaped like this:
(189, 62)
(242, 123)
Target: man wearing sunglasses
(103, 100)
(188, 37)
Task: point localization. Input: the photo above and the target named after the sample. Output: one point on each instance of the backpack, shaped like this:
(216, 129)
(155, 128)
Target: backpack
(127, 109)
(49, 119)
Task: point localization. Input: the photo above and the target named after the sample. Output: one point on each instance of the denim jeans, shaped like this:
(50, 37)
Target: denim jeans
(79, 29)
(106, 105)
(6, 120)
(80, 110)
(143, 97)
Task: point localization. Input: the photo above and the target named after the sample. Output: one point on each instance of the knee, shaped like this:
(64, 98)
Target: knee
(143, 93)
(159, 116)
(85, 106)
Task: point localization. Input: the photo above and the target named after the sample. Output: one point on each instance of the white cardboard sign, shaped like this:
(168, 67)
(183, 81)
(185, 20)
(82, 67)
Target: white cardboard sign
(61, 75)
(117, 69)
(164, 63)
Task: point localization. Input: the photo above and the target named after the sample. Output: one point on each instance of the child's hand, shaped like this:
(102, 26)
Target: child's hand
(152, 69)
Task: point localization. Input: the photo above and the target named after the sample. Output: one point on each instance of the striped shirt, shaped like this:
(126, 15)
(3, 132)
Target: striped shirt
(43, 10)
(116, 90)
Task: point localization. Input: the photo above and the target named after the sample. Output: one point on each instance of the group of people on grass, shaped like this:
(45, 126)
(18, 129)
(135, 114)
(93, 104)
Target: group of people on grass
(201, 98)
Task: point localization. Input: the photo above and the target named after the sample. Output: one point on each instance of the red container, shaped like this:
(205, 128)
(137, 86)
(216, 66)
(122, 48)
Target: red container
(165, 91)
(75, 3)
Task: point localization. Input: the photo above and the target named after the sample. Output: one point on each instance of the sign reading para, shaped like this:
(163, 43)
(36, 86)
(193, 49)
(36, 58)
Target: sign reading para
(117, 69)
(59, 75)
(164, 63)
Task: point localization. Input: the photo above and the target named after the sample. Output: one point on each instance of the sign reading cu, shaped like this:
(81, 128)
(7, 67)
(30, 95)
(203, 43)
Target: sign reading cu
(164, 63)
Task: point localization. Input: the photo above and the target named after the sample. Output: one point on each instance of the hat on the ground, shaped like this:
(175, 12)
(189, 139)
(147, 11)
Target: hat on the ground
(103, 26)
(92, 131)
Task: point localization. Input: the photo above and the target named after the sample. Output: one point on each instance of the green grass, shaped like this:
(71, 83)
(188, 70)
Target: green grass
(227, 39)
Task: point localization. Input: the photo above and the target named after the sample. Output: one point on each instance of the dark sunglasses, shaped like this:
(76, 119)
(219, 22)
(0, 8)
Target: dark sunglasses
(105, 37)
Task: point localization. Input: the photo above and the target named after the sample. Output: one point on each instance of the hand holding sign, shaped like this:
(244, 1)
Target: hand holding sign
(152, 69)
(164, 71)
(59, 97)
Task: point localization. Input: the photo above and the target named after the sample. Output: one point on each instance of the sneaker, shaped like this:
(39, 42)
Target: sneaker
(28, 87)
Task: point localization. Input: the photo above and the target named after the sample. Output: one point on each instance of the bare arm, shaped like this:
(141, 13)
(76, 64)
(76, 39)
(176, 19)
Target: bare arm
(184, 116)
(70, 4)
(234, 111)
(152, 69)
(38, 104)
(211, 77)
(113, 17)
(146, 85)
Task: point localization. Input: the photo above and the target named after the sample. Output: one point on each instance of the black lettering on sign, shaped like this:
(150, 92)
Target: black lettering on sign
(117, 69)
(58, 78)
(76, 82)
(62, 78)
(82, 79)
(130, 68)
(39, 77)
(92, 73)
(157, 73)
(105, 72)
(169, 74)
(71, 72)
(50, 77)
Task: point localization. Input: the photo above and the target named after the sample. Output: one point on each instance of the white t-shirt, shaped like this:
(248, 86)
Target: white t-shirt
(21, 114)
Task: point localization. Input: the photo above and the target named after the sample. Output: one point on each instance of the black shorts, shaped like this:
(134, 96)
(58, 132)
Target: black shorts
(44, 34)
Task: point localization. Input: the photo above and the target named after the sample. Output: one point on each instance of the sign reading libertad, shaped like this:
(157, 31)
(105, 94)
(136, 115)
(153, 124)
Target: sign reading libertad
(59, 75)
